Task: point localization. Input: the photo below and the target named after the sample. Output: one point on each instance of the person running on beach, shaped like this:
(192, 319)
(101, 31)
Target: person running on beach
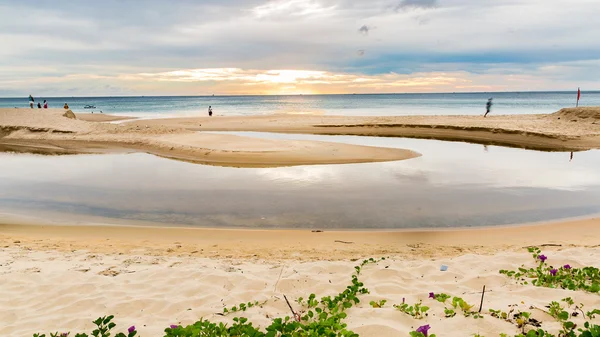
(31, 100)
(45, 104)
(209, 111)
(488, 107)
(66, 106)
(39, 105)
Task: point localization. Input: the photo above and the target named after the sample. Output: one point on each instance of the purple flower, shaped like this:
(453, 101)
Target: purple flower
(423, 329)
(566, 266)
(173, 326)
(432, 295)
(131, 329)
(543, 258)
(553, 272)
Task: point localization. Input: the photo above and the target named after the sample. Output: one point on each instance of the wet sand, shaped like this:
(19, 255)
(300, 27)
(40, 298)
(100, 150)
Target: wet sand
(100, 117)
(295, 244)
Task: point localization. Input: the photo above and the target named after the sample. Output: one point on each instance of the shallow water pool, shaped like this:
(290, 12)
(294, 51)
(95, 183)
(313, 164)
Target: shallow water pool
(451, 185)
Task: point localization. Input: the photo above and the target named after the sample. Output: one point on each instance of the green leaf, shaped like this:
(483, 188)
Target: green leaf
(107, 319)
(563, 316)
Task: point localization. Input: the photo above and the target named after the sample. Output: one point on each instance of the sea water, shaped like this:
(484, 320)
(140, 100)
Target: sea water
(369, 105)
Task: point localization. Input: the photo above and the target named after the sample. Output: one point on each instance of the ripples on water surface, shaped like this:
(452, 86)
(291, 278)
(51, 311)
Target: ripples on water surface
(451, 185)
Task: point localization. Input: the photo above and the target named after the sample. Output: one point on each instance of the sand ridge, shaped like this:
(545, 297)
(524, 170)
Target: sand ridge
(579, 131)
(30, 128)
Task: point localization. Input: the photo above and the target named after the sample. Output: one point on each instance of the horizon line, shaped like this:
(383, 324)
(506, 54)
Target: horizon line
(337, 94)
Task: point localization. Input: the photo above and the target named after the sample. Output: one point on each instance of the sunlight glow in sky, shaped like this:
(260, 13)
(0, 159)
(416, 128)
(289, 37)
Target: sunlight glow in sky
(186, 47)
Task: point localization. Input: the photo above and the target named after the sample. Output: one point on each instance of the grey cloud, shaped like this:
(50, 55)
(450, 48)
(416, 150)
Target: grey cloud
(364, 30)
(61, 38)
(410, 4)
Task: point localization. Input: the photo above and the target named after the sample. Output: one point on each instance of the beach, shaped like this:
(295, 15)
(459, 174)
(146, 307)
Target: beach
(572, 129)
(568, 129)
(299, 168)
(52, 132)
(62, 278)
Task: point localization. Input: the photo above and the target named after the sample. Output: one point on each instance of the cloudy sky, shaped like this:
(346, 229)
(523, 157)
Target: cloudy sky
(187, 47)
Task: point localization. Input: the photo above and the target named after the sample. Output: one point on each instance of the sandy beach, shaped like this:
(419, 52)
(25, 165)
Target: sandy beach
(53, 131)
(299, 168)
(570, 129)
(49, 131)
(61, 278)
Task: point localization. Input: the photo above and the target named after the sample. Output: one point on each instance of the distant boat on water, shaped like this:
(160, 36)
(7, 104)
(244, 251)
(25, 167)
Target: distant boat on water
(89, 107)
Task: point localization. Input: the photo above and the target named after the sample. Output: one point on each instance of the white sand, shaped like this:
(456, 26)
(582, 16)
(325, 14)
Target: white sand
(46, 290)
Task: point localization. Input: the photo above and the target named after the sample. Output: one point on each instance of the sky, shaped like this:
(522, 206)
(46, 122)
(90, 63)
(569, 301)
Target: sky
(204, 47)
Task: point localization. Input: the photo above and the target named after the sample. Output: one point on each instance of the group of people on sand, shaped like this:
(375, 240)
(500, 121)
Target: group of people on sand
(39, 105)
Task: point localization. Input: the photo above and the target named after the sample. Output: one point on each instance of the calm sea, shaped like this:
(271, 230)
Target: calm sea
(375, 105)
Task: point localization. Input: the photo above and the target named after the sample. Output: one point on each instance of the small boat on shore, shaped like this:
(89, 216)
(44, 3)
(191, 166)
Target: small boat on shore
(89, 107)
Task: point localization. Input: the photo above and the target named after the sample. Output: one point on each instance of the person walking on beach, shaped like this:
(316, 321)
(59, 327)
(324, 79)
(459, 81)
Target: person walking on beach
(45, 104)
(31, 100)
(488, 107)
(209, 111)
(66, 106)
(39, 105)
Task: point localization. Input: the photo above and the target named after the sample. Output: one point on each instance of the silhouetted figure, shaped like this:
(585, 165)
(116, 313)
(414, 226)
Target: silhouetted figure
(31, 100)
(39, 105)
(45, 104)
(571, 157)
(209, 111)
(488, 107)
(66, 106)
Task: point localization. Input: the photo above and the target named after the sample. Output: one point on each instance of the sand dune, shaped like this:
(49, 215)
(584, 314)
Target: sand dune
(578, 114)
(48, 131)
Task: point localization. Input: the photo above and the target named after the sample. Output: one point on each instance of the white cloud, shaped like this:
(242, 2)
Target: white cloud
(545, 43)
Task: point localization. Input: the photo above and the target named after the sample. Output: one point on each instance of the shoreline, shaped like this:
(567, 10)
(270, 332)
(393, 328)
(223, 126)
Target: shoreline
(295, 243)
(54, 131)
(571, 129)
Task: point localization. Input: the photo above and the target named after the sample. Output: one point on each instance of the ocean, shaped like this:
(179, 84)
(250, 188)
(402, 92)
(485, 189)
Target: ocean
(369, 105)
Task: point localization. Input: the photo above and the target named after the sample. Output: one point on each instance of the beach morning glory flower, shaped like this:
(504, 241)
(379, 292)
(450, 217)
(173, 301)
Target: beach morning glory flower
(566, 266)
(553, 272)
(173, 326)
(423, 329)
(543, 258)
(431, 295)
(131, 329)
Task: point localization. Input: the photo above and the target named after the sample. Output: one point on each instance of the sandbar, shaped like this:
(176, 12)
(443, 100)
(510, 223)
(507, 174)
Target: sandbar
(570, 129)
(55, 131)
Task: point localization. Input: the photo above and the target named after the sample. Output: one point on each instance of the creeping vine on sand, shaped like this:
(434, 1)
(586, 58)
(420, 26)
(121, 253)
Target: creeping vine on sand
(326, 316)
